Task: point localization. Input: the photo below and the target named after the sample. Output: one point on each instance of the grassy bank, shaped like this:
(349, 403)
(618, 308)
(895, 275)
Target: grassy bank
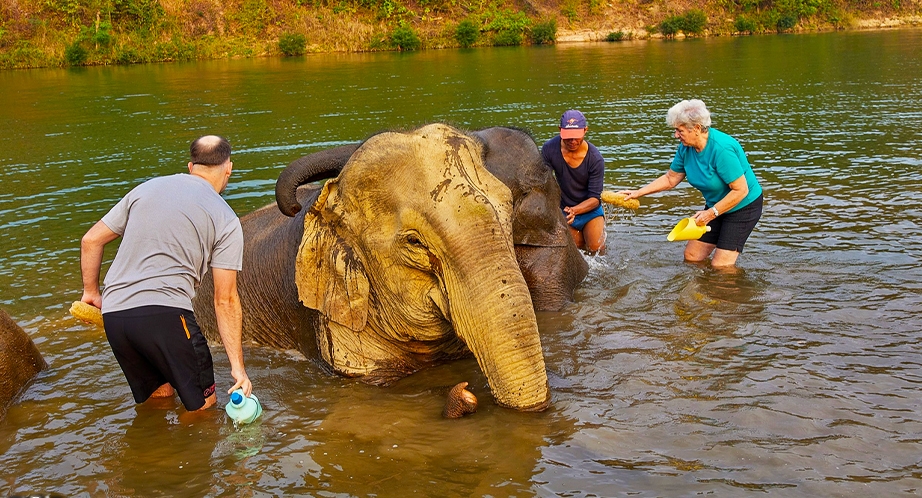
(47, 33)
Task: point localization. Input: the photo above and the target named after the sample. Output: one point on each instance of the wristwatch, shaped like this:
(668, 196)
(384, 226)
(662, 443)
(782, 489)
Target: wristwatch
(716, 212)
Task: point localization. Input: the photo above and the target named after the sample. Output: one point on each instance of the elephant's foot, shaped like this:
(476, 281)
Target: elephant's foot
(460, 402)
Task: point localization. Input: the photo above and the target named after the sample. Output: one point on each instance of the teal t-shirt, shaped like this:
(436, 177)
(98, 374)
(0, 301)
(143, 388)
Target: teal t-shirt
(713, 169)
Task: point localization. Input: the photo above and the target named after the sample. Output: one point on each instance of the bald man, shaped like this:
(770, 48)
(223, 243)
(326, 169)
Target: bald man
(173, 229)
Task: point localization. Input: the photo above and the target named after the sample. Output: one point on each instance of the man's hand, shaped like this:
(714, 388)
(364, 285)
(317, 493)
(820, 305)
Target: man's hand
(242, 382)
(570, 214)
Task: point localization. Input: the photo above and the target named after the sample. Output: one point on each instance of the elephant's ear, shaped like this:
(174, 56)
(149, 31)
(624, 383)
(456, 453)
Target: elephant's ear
(330, 278)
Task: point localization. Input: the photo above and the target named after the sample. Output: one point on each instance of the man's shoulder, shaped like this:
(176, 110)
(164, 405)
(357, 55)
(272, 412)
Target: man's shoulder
(175, 181)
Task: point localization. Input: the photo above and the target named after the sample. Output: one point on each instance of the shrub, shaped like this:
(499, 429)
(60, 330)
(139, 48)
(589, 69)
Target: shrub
(507, 37)
(467, 33)
(544, 32)
(75, 54)
(745, 25)
(618, 36)
(786, 23)
(693, 22)
(404, 38)
(670, 26)
(292, 44)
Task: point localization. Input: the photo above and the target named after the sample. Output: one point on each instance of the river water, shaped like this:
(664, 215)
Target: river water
(799, 375)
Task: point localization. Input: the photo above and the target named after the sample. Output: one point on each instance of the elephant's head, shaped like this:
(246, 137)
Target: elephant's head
(551, 263)
(408, 257)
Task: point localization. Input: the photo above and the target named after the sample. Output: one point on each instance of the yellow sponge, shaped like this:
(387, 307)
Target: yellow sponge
(619, 200)
(86, 312)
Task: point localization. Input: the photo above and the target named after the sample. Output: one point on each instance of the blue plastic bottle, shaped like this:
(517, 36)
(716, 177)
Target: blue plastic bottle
(242, 409)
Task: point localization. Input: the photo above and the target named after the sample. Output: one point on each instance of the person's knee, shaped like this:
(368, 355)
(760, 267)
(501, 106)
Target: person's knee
(724, 258)
(596, 244)
(594, 235)
(696, 251)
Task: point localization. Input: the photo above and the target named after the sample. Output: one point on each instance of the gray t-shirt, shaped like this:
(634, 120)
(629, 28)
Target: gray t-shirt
(173, 229)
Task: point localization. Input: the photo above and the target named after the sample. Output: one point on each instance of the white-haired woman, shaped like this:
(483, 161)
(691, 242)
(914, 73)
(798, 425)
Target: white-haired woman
(715, 164)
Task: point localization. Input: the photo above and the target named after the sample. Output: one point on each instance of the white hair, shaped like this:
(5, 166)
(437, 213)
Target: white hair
(689, 113)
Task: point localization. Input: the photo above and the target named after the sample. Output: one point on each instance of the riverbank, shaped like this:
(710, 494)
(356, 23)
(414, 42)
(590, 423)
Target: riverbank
(601, 35)
(38, 33)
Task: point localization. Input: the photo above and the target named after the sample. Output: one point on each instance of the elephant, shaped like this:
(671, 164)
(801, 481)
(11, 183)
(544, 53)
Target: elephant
(20, 361)
(552, 265)
(402, 260)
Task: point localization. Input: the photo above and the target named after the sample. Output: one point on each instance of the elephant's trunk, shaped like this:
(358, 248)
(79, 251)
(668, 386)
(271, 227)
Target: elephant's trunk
(494, 316)
(310, 168)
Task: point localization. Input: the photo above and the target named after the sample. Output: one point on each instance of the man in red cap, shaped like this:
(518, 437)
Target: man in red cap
(580, 171)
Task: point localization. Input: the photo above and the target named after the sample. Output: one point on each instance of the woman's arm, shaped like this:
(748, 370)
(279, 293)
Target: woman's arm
(665, 182)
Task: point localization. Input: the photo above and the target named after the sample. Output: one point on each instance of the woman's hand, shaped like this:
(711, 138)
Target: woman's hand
(629, 194)
(704, 217)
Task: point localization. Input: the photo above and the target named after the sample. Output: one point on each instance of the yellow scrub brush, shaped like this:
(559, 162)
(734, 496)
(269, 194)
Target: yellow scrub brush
(86, 312)
(618, 200)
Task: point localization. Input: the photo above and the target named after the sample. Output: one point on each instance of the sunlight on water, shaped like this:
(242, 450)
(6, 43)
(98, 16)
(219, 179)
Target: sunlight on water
(798, 375)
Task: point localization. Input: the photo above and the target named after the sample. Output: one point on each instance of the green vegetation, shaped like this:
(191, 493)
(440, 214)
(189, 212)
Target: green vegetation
(467, 33)
(404, 38)
(786, 23)
(691, 23)
(544, 32)
(41, 33)
(616, 36)
(75, 55)
(292, 44)
(745, 24)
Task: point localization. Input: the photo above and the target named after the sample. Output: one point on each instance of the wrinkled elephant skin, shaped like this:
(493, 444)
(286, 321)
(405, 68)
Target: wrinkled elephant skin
(20, 361)
(551, 263)
(404, 260)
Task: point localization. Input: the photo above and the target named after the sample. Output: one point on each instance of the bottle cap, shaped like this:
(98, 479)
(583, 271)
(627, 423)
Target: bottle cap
(236, 398)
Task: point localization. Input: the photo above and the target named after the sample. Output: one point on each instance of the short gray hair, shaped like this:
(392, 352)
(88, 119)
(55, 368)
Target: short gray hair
(689, 113)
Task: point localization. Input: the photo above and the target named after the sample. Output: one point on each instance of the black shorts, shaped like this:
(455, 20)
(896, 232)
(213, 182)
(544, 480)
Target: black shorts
(730, 231)
(156, 345)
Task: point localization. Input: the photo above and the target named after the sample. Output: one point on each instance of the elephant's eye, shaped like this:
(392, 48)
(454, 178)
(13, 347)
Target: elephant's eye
(413, 239)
